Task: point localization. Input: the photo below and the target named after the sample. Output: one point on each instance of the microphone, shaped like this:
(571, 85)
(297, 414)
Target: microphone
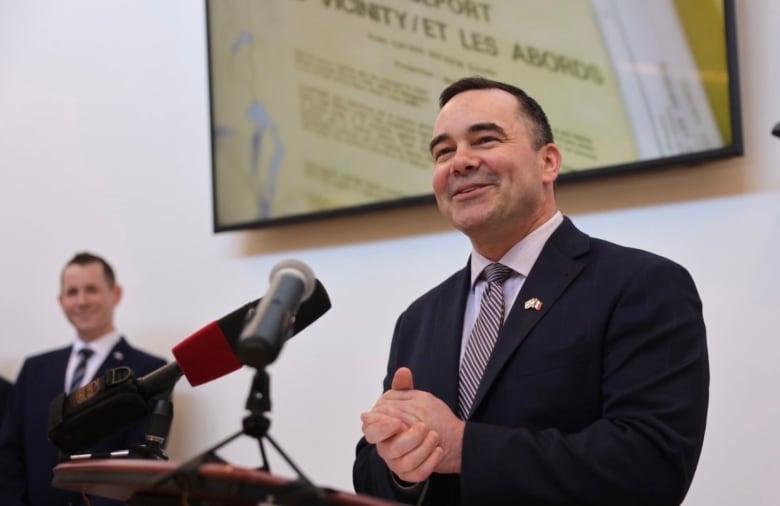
(117, 399)
(292, 283)
(158, 427)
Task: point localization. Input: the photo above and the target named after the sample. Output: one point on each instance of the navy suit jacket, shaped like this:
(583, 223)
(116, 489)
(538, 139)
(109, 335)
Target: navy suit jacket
(599, 397)
(27, 457)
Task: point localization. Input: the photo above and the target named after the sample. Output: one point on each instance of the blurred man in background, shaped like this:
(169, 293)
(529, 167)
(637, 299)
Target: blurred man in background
(88, 297)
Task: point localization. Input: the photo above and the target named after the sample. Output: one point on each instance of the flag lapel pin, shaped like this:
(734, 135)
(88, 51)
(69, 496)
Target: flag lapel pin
(533, 303)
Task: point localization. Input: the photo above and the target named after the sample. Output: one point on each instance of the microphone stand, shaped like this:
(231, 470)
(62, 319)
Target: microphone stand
(298, 492)
(256, 423)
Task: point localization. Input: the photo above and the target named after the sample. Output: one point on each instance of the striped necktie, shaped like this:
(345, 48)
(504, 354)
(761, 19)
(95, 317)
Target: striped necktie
(483, 336)
(81, 369)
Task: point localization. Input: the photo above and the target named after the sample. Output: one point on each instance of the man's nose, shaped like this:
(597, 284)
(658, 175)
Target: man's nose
(464, 160)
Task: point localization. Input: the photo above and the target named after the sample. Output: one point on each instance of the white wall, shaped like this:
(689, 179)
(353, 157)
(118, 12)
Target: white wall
(104, 145)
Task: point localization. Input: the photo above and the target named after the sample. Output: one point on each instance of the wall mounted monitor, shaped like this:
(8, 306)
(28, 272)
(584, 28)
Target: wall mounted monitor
(325, 107)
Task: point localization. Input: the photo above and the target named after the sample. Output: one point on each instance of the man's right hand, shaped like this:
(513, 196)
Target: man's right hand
(407, 445)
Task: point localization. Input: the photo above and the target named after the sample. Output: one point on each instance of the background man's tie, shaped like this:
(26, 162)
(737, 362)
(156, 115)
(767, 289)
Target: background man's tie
(483, 336)
(81, 369)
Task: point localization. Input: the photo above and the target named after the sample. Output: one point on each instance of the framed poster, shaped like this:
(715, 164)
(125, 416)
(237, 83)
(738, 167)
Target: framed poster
(325, 107)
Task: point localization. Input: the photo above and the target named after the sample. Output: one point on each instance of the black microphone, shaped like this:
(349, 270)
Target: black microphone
(292, 282)
(158, 427)
(106, 404)
(117, 399)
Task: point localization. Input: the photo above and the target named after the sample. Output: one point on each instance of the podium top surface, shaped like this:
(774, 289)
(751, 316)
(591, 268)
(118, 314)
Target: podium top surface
(128, 479)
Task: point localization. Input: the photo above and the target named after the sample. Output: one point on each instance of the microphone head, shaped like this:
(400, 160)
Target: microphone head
(294, 300)
(210, 353)
(206, 355)
(298, 269)
(310, 310)
(316, 305)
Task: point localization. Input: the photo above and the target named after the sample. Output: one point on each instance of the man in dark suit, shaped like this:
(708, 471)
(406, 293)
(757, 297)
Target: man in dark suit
(88, 296)
(595, 390)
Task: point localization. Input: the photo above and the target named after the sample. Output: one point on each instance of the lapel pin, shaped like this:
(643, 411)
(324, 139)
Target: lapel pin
(533, 303)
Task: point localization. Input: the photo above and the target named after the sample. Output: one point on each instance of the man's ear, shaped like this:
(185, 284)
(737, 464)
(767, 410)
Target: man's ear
(552, 160)
(117, 294)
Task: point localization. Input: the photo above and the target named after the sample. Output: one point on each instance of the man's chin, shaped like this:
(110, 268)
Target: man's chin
(86, 332)
(470, 221)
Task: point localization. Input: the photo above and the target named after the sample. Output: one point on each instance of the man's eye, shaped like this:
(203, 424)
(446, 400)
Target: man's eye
(439, 153)
(485, 140)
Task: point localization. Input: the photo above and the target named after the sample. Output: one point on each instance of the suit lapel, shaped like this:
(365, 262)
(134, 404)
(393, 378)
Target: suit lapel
(446, 340)
(552, 273)
(116, 358)
(58, 369)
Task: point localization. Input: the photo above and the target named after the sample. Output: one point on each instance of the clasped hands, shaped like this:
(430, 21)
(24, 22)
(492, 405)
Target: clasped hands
(415, 433)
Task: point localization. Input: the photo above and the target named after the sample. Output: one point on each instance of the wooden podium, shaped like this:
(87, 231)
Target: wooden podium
(164, 483)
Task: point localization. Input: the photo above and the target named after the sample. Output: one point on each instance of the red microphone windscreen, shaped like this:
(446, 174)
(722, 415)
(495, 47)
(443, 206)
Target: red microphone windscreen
(206, 355)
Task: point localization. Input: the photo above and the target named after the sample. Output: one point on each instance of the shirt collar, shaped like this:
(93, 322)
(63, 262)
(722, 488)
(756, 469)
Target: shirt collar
(101, 346)
(522, 256)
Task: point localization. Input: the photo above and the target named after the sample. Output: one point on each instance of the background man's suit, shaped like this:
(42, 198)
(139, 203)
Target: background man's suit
(600, 394)
(23, 433)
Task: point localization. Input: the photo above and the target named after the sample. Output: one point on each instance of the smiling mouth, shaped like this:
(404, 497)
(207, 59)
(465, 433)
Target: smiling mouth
(468, 190)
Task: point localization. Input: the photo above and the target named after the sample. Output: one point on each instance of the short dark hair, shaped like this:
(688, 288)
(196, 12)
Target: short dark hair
(528, 107)
(85, 258)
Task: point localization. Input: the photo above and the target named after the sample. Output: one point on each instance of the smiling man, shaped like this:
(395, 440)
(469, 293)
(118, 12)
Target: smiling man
(88, 296)
(554, 368)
